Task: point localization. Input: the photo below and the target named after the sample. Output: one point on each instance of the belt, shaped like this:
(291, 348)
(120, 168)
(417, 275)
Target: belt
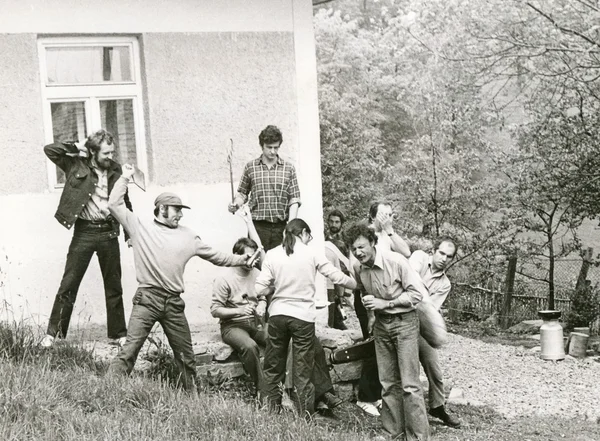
(395, 314)
(264, 221)
(108, 221)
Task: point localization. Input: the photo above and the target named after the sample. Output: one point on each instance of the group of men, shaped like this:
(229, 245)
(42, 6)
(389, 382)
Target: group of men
(391, 281)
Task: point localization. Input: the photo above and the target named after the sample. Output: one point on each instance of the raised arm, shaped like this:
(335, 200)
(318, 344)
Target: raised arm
(116, 201)
(244, 213)
(218, 258)
(63, 154)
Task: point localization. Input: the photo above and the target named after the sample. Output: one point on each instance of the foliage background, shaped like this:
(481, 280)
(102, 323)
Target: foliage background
(475, 119)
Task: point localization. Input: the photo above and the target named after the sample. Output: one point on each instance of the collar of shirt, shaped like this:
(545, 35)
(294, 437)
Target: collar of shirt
(434, 274)
(278, 162)
(98, 170)
(378, 262)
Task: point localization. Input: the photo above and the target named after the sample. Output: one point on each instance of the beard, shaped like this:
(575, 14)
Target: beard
(103, 164)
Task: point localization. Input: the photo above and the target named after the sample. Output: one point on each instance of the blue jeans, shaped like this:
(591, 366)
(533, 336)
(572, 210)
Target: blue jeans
(244, 337)
(281, 329)
(397, 349)
(90, 238)
(151, 305)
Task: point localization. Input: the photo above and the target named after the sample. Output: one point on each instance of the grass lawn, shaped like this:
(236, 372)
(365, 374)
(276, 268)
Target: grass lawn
(63, 394)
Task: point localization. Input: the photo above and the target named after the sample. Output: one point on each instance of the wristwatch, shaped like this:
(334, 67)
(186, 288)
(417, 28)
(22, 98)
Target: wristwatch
(391, 304)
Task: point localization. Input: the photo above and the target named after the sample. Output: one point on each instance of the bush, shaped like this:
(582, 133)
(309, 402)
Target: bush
(585, 307)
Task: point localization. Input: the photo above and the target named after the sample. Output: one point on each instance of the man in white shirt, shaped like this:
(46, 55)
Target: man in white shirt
(432, 269)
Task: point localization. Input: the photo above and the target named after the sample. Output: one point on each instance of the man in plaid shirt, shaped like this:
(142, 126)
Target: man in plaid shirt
(271, 186)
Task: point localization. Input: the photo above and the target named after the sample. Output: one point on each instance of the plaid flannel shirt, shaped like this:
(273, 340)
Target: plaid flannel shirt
(271, 190)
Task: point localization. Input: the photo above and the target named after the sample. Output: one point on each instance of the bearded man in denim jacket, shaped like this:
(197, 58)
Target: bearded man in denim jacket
(90, 174)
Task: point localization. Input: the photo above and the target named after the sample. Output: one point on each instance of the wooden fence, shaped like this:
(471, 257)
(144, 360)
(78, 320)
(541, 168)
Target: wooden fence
(473, 302)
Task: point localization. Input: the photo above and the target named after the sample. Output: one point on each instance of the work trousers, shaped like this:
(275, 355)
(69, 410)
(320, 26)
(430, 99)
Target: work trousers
(369, 387)
(320, 377)
(245, 338)
(431, 365)
(89, 238)
(281, 329)
(151, 305)
(270, 233)
(397, 348)
(335, 319)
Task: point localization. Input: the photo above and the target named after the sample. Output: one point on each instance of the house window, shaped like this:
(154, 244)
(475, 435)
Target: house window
(90, 83)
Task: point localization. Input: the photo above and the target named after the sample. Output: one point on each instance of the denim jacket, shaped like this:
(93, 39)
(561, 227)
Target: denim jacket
(80, 182)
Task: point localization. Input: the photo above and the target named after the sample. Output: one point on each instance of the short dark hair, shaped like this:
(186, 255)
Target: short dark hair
(243, 242)
(270, 135)
(355, 230)
(440, 240)
(95, 140)
(337, 213)
(374, 208)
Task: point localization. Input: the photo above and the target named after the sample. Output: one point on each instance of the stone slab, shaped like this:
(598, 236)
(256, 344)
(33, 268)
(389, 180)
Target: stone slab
(233, 369)
(346, 371)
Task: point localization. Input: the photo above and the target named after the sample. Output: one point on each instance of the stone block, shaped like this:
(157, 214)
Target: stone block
(203, 358)
(346, 390)
(333, 338)
(226, 370)
(222, 352)
(346, 371)
(455, 394)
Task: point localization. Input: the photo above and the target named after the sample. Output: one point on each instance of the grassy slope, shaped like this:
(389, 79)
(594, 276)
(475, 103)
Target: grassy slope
(62, 394)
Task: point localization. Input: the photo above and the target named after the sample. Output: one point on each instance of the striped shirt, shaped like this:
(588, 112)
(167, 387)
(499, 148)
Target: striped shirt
(271, 190)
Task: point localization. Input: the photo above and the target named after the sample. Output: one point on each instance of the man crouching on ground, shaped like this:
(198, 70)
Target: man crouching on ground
(161, 249)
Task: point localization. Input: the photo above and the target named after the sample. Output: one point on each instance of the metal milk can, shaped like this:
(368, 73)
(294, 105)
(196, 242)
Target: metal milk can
(551, 336)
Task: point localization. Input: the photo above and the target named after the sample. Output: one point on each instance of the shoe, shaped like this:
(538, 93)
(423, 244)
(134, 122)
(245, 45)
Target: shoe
(47, 342)
(120, 342)
(448, 420)
(368, 408)
(331, 400)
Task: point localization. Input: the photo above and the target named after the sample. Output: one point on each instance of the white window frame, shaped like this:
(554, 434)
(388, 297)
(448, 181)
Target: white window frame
(91, 94)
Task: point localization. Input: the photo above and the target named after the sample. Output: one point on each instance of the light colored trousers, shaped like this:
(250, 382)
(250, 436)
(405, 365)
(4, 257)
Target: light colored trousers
(397, 349)
(431, 365)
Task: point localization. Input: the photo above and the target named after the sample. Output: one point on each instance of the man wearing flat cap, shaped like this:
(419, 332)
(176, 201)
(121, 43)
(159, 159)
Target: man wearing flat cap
(161, 249)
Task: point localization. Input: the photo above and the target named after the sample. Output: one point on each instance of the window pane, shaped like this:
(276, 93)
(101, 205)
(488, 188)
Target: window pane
(91, 64)
(68, 124)
(117, 118)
